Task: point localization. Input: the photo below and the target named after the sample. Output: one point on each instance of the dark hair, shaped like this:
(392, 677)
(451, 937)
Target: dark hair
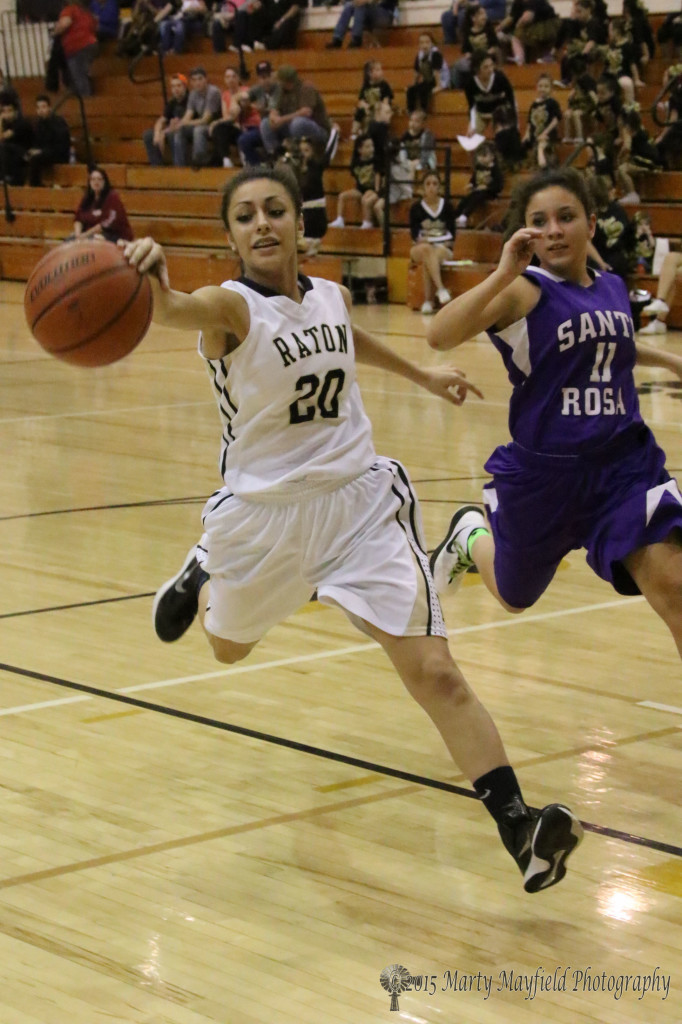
(282, 175)
(44, 98)
(7, 99)
(599, 192)
(89, 197)
(567, 178)
(478, 57)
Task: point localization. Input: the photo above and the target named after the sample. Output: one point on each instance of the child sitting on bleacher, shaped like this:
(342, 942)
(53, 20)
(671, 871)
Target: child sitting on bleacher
(428, 65)
(374, 110)
(486, 183)
(580, 109)
(544, 118)
(312, 163)
(634, 153)
(507, 139)
(620, 59)
(367, 174)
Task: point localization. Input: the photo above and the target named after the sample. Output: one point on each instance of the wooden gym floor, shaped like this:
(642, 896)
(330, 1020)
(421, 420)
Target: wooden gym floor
(159, 866)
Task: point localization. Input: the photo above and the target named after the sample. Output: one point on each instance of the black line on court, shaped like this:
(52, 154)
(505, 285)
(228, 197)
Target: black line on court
(195, 499)
(76, 604)
(305, 748)
(150, 503)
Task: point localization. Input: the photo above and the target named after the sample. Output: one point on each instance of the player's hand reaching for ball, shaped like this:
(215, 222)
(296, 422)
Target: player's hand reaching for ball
(449, 383)
(518, 251)
(148, 257)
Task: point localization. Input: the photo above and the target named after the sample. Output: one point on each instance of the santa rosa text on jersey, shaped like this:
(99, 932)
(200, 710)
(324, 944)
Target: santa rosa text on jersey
(595, 401)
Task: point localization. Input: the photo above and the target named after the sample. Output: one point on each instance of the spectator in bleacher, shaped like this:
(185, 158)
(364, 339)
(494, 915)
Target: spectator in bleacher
(542, 131)
(141, 33)
(605, 123)
(487, 89)
(453, 20)
(309, 164)
(204, 105)
(530, 25)
(670, 32)
(250, 142)
(223, 17)
(486, 183)
(507, 139)
(478, 36)
(108, 17)
(418, 143)
(51, 141)
(226, 129)
(660, 307)
(367, 175)
(578, 41)
(374, 111)
(263, 92)
(428, 64)
(250, 26)
(432, 227)
(101, 211)
(612, 246)
(284, 20)
(620, 59)
(297, 110)
(366, 15)
(6, 89)
(16, 138)
(77, 31)
(637, 21)
(188, 18)
(669, 140)
(374, 99)
(156, 138)
(635, 154)
(580, 109)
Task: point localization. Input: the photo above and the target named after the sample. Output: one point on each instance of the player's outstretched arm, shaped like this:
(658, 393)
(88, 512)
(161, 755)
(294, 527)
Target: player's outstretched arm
(647, 355)
(445, 382)
(502, 299)
(215, 311)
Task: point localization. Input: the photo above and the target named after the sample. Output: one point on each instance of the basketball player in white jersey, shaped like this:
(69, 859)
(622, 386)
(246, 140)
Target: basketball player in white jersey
(308, 505)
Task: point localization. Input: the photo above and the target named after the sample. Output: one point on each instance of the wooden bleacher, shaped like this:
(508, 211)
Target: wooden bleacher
(180, 206)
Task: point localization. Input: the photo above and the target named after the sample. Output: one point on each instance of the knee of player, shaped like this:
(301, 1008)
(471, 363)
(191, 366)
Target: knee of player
(227, 652)
(442, 681)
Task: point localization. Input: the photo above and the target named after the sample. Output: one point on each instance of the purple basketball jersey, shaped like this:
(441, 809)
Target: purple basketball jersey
(570, 361)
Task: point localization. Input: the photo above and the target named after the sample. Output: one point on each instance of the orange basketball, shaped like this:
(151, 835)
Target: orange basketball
(85, 304)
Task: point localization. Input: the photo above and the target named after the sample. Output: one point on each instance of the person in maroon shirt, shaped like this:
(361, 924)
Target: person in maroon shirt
(101, 211)
(77, 29)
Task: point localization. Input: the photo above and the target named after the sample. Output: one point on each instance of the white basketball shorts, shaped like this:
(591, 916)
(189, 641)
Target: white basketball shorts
(360, 547)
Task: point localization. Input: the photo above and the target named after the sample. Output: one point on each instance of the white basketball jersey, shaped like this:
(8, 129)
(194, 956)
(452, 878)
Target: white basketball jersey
(293, 420)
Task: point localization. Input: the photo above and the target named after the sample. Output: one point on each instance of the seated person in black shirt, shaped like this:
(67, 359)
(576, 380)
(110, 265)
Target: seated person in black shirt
(51, 141)
(155, 138)
(487, 89)
(16, 138)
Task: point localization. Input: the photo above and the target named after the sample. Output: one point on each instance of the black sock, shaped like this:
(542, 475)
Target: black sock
(499, 790)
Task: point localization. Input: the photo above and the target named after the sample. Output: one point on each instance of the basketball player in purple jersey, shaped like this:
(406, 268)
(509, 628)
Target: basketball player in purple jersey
(582, 470)
(307, 503)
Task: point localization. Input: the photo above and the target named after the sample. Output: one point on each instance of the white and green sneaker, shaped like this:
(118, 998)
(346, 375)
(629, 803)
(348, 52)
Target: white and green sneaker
(451, 559)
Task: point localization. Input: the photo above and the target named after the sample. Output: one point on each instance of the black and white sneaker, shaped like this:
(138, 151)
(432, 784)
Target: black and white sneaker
(540, 842)
(451, 559)
(177, 602)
